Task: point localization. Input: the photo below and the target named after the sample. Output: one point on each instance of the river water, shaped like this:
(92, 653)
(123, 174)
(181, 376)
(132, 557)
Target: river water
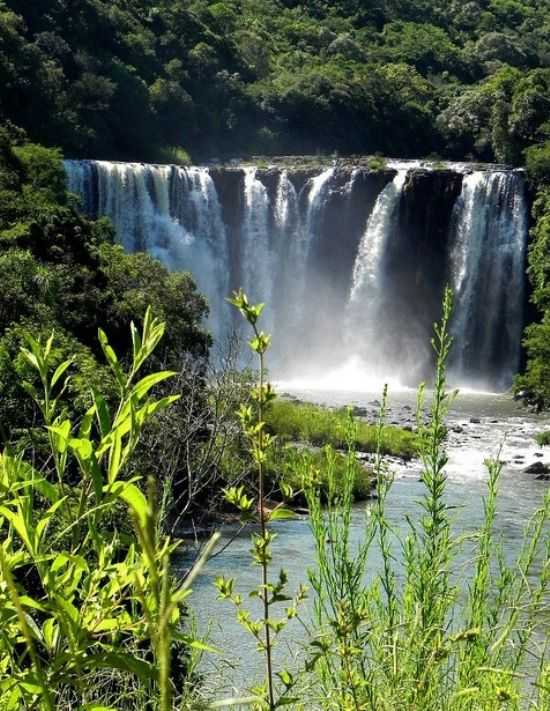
(480, 425)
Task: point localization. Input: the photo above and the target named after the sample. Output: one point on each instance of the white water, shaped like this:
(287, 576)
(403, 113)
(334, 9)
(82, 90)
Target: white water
(368, 274)
(172, 213)
(310, 250)
(316, 200)
(364, 319)
(488, 251)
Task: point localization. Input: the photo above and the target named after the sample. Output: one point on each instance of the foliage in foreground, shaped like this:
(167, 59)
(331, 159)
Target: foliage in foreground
(92, 617)
(90, 613)
(424, 636)
(284, 469)
(304, 422)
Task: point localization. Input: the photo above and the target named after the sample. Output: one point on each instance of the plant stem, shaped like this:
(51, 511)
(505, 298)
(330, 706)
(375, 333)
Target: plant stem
(263, 528)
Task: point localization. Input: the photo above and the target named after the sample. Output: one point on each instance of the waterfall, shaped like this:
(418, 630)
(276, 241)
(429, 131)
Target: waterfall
(257, 268)
(367, 276)
(316, 200)
(346, 260)
(291, 245)
(487, 273)
(365, 324)
(183, 228)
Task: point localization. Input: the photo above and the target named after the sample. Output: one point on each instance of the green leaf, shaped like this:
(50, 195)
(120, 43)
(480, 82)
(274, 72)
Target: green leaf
(125, 662)
(61, 434)
(137, 502)
(115, 456)
(102, 412)
(82, 447)
(202, 647)
(145, 384)
(282, 514)
(18, 522)
(30, 358)
(60, 370)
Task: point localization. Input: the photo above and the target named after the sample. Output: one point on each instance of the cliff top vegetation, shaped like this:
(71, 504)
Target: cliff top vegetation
(138, 80)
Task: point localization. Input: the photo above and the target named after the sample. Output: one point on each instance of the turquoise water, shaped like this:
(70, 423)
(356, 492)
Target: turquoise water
(503, 425)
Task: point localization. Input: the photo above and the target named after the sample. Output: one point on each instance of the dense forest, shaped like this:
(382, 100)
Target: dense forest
(129, 79)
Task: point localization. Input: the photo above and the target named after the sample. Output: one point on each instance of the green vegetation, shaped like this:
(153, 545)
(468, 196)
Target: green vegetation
(61, 271)
(535, 382)
(419, 637)
(134, 80)
(376, 163)
(543, 438)
(285, 464)
(91, 614)
(312, 424)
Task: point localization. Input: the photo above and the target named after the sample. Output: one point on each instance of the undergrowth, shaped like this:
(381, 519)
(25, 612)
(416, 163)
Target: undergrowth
(304, 422)
(92, 617)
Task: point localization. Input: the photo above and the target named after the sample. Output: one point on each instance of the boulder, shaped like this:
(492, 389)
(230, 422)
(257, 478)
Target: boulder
(537, 468)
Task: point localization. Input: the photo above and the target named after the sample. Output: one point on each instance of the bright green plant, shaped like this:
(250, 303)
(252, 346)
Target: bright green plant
(265, 630)
(312, 424)
(417, 637)
(90, 612)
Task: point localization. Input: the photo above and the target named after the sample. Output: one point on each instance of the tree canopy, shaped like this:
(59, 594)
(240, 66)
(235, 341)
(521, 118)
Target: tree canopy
(132, 79)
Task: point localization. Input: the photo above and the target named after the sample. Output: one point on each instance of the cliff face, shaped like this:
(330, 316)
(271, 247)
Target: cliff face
(350, 261)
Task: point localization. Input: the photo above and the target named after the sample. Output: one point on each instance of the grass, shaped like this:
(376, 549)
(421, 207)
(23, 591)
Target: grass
(318, 426)
(543, 438)
(376, 163)
(285, 464)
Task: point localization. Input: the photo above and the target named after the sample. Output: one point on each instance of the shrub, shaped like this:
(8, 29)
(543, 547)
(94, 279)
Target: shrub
(91, 615)
(376, 163)
(543, 438)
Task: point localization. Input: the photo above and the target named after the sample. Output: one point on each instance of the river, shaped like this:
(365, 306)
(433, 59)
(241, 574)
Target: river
(479, 426)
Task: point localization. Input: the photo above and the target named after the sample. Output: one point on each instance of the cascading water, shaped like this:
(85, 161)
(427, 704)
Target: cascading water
(172, 213)
(487, 270)
(257, 271)
(368, 276)
(316, 200)
(345, 259)
(364, 319)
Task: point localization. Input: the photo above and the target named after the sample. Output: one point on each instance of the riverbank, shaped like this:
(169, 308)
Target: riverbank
(479, 426)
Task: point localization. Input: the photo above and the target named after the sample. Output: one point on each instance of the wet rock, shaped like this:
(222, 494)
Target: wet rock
(360, 411)
(543, 477)
(539, 454)
(458, 429)
(375, 403)
(475, 421)
(537, 468)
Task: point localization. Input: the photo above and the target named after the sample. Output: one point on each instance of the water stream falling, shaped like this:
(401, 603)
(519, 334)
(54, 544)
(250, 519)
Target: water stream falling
(487, 260)
(364, 309)
(351, 263)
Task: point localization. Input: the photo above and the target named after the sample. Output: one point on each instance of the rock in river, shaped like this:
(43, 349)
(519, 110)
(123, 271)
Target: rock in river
(537, 468)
